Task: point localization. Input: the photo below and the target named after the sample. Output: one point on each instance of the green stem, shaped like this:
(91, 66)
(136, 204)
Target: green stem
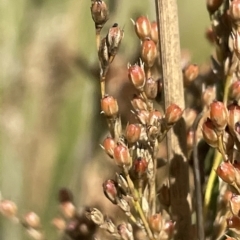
(210, 183)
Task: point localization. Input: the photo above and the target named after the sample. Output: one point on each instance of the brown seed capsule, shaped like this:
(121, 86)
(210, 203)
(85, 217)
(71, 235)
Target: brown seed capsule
(133, 132)
(109, 106)
(152, 133)
(114, 38)
(235, 204)
(154, 31)
(218, 115)
(173, 114)
(210, 35)
(99, 13)
(208, 96)
(140, 166)
(226, 172)
(109, 145)
(138, 103)
(143, 116)
(32, 220)
(8, 208)
(190, 139)
(59, 223)
(234, 91)
(234, 11)
(169, 227)
(95, 215)
(143, 27)
(151, 88)
(121, 155)
(233, 222)
(209, 133)
(125, 231)
(236, 43)
(154, 117)
(213, 5)
(103, 55)
(68, 209)
(110, 189)
(148, 52)
(155, 222)
(137, 76)
(65, 195)
(233, 116)
(189, 116)
(190, 73)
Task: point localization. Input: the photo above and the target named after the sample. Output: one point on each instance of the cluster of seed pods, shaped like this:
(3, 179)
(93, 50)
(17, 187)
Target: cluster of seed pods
(134, 149)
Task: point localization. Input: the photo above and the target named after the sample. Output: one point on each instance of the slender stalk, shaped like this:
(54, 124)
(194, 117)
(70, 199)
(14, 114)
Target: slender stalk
(169, 46)
(137, 204)
(197, 181)
(211, 180)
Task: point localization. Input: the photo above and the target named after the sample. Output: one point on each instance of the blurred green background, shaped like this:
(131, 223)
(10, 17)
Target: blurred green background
(50, 122)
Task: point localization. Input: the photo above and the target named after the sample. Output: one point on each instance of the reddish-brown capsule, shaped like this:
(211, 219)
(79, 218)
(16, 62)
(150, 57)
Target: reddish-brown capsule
(68, 209)
(173, 114)
(109, 145)
(213, 5)
(143, 116)
(218, 115)
(137, 76)
(154, 117)
(233, 116)
(234, 91)
(190, 73)
(59, 223)
(169, 227)
(155, 222)
(209, 133)
(95, 215)
(99, 13)
(138, 103)
(235, 204)
(114, 38)
(121, 155)
(151, 88)
(110, 189)
(133, 132)
(226, 172)
(148, 52)
(210, 35)
(32, 220)
(154, 31)
(8, 208)
(140, 166)
(234, 11)
(143, 27)
(208, 96)
(189, 116)
(233, 222)
(125, 231)
(109, 106)
(190, 139)
(65, 195)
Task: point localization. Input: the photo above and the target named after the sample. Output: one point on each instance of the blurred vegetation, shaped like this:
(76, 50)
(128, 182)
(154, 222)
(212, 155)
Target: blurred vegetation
(50, 121)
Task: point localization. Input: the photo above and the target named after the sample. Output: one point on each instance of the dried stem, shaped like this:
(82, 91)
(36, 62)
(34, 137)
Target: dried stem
(169, 47)
(197, 182)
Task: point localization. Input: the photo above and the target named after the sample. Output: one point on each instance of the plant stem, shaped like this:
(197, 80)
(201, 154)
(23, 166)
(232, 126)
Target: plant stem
(211, 180)
(169, 46)
(197, 181)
